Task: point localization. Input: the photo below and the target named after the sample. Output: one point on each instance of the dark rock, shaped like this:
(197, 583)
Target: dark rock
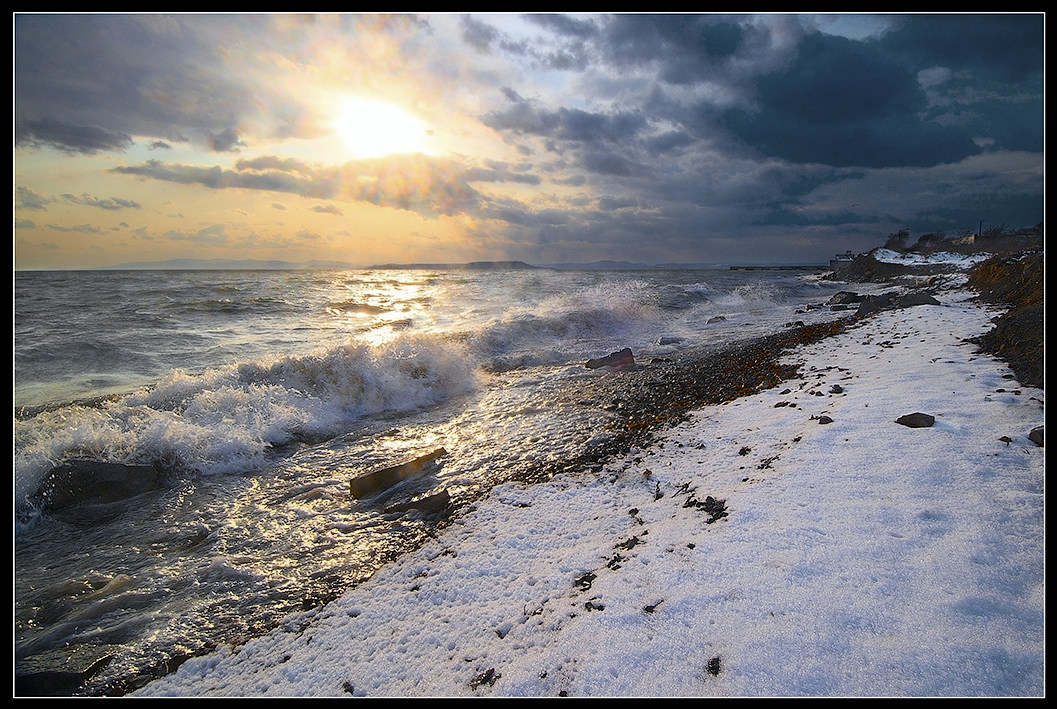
(79, 482)
(62, 671)
(1036, 436)
(584, 582)
(893, 301)
(844, 297)
(715, 509)
(488, 677)
(824, 419)
(622, 358)
(917, 420)
(836, 389)
(713, 666)
(428, 504)
(715, 319)
(795, 323)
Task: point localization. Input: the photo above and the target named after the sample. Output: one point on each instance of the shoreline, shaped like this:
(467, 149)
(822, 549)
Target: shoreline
(649, 402)
(573, 541)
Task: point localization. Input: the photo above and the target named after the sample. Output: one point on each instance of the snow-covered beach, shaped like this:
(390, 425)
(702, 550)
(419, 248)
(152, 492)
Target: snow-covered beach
(841, 554)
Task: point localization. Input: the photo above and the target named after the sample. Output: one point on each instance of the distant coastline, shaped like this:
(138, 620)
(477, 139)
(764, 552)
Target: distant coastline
(190, 264)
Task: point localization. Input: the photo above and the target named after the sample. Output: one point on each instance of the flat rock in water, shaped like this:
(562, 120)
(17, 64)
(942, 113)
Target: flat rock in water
(384, 478)
(917, 420)
(90, 481)
(62, 671)
(426, 504)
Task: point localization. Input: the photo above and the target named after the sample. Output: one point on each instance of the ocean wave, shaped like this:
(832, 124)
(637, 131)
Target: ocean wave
(231, 419)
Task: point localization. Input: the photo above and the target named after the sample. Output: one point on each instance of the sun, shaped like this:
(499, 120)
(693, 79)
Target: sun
(370, 128)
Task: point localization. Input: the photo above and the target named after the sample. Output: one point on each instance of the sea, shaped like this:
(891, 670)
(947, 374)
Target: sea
(252, 398)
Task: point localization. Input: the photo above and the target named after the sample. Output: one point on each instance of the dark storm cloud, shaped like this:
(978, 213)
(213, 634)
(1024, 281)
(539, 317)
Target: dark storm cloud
(684, 46)
(1002, 48)
(781, 89)
(607, 162)
(570, 124)
(845, 103)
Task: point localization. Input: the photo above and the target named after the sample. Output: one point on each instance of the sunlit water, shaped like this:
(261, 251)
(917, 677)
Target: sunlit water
(261, 393)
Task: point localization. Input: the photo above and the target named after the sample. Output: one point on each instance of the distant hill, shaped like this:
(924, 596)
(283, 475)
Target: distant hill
(629, 266)
(472, 266)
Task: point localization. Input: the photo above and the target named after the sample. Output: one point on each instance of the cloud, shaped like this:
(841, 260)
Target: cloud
(682, 47)
(567, 124)
(213, 235)
(87, 82)
(327, 209)
(695, 129)
(845, 103)
(418, 183)
(71, 138)
(1004, 48)
(226, 141)
(477, 34)
(79, 228)
(28, 199)
(111, 203)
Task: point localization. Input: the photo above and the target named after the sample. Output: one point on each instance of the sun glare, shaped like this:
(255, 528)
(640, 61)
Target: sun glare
(371, 128)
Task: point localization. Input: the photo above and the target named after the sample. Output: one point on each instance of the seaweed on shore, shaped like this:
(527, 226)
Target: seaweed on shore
(1018, 335)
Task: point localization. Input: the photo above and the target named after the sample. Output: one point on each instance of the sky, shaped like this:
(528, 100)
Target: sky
(445, 138)
(857, 557)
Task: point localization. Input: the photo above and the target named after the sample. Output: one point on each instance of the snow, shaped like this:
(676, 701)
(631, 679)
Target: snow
(858, 557)
(912, 258)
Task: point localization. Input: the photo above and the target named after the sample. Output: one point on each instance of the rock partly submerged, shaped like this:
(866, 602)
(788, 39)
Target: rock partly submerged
(405, 487)
(621, 358)
(92, 482)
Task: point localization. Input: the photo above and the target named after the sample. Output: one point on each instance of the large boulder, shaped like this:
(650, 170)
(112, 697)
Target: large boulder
(893, 301)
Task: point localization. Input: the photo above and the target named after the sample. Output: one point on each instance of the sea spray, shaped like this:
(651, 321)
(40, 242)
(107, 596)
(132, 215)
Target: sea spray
(228, 420)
